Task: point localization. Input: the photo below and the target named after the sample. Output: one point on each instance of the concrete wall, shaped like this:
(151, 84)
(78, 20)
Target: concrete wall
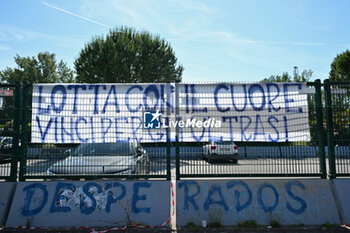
(6, 194)
(342, 188)
(233, 201)
(229, 201)
(68, 204)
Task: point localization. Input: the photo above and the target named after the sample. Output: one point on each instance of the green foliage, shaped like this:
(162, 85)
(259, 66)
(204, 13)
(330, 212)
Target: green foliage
(192, 226)
(275, 223)
(125, 55)
(40, 69)
(64, 73)
(215, 224)
(340, 67)
(340, 72)
(248, 224)
(277, 78)
(329, 225)
(305, 76)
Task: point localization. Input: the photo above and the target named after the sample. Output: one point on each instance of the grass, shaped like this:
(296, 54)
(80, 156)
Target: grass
(275, 223)
(248, 224)
(329, 225)
(192, 226)
(215, 224)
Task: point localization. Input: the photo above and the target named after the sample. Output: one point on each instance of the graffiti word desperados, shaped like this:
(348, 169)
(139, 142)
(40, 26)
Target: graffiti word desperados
(242, 196)
(88, 198)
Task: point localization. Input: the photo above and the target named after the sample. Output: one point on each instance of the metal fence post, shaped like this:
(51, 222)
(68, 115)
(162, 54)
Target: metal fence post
(24, 132)
(330, 131)
(177, 145)
(16, 131)
(320, 131)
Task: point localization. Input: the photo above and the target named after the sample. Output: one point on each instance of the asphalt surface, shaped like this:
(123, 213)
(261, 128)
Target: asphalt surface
(278, 166)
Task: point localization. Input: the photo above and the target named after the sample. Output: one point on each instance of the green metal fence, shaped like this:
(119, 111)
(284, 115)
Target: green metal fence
(326, 153)
(262, 159)
(10, 113)
(337, 105)
(51, 161)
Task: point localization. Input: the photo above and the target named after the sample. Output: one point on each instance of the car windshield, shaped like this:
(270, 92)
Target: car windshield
(7, 140)
(224, 143)
(103, 149)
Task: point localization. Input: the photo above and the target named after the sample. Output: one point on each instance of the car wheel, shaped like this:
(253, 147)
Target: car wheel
(204, 157)
(208, 159)
(235, 161)
(137, 168)
(147, 167)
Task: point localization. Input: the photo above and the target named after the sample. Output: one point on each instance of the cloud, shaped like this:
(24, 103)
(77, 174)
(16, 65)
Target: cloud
(76, 15)
(9, 33)
(291, 43)
(3, 36)
(15, 34)
(4, 47)
(200, 7)
(154, 16)
(187, 34)
(257, 53)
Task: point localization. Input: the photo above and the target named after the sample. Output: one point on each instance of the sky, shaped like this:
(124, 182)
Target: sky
(221, 40)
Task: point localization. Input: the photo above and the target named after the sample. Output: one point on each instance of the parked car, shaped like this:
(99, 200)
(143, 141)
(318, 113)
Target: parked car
(5, 148)
(104, 158)
(220, 151)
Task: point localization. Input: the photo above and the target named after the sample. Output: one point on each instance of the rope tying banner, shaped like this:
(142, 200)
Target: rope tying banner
(346, 226)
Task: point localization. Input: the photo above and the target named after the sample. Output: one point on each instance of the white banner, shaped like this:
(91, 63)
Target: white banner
(88, 113)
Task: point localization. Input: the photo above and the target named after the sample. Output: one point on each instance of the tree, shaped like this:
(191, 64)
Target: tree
(305, 76)
(40, 69)
(340, 71)
(125, 55)
(340, 67)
